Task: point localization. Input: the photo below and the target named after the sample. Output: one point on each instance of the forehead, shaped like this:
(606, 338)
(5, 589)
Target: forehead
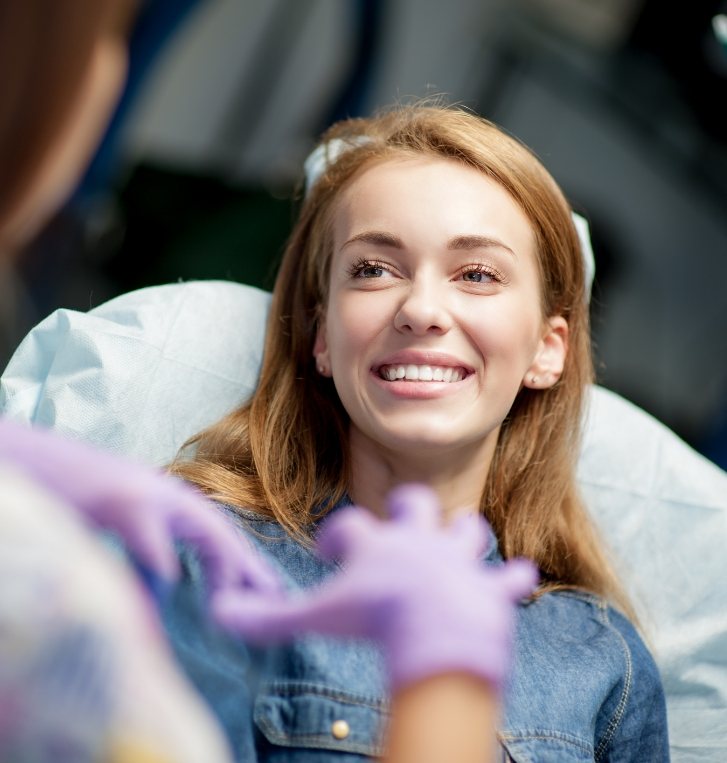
(436, 198)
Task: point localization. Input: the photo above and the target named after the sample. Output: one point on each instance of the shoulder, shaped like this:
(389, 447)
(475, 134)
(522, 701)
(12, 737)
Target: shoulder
(583, 676)
(641, 713)
(568, 630)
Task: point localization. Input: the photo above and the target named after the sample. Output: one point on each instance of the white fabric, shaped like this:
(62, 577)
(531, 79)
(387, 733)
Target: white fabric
(589, 260)
(663, 510)
(143, 372)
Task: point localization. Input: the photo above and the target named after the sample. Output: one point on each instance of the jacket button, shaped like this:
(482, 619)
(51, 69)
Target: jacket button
(340, 729)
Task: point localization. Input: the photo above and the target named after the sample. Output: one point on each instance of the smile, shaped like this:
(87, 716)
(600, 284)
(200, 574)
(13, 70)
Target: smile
(425, 373)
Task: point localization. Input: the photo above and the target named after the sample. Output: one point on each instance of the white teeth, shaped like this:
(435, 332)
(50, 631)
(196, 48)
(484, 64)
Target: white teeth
(422, 373)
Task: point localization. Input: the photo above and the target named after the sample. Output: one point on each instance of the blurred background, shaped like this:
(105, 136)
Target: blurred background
(625, 102)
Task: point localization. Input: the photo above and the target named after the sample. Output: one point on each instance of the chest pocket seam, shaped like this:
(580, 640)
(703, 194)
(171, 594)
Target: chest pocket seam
(512, 741)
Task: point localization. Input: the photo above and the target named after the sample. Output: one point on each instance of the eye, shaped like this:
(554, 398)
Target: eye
(479, 273)
(368, 269)
(475, 276)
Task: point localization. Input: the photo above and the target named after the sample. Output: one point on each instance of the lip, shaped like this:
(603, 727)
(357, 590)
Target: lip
(422, 358)
(414, 390)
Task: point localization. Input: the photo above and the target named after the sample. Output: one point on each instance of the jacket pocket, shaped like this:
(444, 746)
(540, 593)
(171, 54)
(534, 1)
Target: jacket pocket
(547, 747)
(298, 714)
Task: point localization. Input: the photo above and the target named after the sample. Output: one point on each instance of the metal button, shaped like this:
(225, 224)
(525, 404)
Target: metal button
(340, 729)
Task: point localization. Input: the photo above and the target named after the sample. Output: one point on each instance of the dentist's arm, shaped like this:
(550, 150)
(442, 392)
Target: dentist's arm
(447, 718)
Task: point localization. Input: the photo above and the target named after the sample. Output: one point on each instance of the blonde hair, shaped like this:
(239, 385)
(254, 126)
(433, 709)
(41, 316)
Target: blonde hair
(284, 453)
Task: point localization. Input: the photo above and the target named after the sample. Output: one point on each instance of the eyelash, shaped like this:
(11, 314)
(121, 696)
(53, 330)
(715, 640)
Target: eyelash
(487, 270)
(357, 268)
(361, 264)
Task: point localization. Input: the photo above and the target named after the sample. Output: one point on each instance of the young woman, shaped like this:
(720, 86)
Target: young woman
(428, 324)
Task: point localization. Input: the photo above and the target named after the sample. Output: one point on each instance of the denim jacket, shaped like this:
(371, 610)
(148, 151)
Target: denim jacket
(583, 686)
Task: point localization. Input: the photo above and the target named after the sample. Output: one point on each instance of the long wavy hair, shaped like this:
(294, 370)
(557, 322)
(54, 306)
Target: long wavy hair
(285, 452)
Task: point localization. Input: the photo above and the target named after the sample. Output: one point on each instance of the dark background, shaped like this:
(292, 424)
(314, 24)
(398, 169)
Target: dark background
(625, 101)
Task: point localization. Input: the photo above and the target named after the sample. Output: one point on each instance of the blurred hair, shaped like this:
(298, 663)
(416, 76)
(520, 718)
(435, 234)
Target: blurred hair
(45, 51)
(285, 453)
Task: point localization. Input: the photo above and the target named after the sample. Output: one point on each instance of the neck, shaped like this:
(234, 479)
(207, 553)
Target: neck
(457, 475)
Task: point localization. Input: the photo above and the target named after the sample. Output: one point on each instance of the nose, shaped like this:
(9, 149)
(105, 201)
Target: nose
(423, 310)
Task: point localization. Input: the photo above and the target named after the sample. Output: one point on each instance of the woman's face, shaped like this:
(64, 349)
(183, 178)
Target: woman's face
(433, 321)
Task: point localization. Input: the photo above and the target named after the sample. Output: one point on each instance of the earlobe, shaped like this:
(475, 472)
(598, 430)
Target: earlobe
(320, 351)
(549, 361)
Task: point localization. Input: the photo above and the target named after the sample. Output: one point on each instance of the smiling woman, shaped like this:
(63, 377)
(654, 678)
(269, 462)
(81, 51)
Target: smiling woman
(429, 323)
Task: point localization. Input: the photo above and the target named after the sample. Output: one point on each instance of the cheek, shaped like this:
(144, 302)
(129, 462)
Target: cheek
(353, 324)
(507, 331)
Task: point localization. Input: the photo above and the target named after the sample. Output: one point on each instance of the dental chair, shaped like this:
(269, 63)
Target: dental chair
(141, 373)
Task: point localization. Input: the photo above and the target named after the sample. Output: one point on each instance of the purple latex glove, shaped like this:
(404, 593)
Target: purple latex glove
(416, 587)
(148, 509)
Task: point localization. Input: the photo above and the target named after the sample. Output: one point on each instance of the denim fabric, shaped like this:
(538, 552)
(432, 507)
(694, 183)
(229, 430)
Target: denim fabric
(583, 685)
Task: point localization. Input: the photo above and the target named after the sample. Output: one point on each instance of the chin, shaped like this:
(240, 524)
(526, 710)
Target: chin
(426, 439)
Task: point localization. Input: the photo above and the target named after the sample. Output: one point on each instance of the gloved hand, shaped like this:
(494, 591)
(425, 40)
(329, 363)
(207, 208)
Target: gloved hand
(415, 586)
(148, 509)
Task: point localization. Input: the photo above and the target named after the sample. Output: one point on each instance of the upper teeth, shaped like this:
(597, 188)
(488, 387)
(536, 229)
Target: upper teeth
(422, 373)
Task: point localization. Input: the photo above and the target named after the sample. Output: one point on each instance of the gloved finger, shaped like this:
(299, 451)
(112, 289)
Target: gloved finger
(228, 558)
(253, 570)
(340, 533)
(415, 504)
(518, 578)
(152, 546)
(472, 534)
(255, 617)
(261, 618)
(244, 567)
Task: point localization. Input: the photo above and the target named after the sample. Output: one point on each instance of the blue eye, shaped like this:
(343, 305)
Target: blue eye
(371, 271)
(368, 269)
(475, 276)
(480, 274)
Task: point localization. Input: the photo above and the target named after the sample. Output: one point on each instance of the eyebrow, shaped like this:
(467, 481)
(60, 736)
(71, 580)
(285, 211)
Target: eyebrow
(381, 238)
(478, 242)
(377, 238)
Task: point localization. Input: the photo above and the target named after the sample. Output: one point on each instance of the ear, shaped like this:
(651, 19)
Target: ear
(320, 350)
(549, 360)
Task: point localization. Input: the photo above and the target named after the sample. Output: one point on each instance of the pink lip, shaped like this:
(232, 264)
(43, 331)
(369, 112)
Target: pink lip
(421, 358)
(411, 390)
(415, 390)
